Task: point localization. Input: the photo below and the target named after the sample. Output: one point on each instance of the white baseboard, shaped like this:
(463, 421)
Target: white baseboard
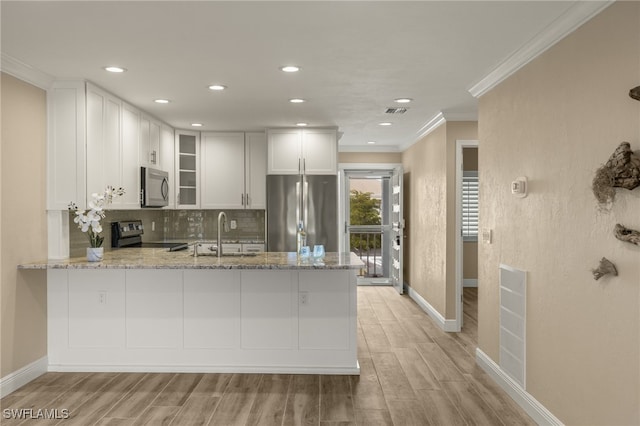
(21, 377)
(445, 324)
(526, 401)
(470, 282)
(82, 368)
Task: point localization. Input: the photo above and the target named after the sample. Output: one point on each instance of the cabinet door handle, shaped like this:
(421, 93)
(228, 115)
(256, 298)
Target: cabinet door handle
(247, 198)
(299, 168)
(242, 199)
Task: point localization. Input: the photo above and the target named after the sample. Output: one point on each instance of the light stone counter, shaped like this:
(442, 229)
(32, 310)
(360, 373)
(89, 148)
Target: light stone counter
(161, 258)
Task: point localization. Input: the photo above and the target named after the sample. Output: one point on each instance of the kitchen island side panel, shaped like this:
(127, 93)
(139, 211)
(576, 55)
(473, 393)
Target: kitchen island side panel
(203, 320)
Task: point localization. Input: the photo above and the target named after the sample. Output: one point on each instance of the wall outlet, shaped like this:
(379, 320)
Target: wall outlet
(153, 226)
(234, 224)
(102, 298)
(304, 298)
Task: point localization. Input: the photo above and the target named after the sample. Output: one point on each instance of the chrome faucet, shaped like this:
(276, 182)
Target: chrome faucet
(222, 221)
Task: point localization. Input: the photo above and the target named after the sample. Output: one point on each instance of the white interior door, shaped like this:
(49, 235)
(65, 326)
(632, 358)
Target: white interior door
(397, 229)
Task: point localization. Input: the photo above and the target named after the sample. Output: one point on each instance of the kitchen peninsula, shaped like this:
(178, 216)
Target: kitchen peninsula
(152, 310)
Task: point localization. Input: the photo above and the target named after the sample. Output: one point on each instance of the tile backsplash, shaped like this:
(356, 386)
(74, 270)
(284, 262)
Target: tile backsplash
(175, 225)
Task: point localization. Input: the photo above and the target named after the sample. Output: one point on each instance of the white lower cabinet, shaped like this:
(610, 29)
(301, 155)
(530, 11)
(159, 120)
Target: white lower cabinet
(269, 321)
(269, 307)
(211, 309)
(154, 308)
(324, 318)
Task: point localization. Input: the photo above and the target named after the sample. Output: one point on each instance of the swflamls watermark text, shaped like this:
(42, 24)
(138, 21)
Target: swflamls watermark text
(35, 413)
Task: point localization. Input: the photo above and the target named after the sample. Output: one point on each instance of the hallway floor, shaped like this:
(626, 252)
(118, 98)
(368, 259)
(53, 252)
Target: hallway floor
(412, 373)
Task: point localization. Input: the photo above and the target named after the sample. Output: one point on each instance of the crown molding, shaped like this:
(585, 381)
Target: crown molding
(579, 13)
(25, 72)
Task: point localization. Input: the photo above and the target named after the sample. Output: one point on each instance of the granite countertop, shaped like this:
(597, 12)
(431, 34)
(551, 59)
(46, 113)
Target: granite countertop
(158, 258)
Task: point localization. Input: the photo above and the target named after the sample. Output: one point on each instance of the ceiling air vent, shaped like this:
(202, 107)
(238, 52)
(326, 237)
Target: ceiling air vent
(394, 110)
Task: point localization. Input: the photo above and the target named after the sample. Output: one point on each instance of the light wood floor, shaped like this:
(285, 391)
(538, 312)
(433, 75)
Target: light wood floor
(412, 374)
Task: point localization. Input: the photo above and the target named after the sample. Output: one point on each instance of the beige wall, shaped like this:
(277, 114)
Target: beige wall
(430, 201)
(556, 121)
(370, 157)
(22, 224)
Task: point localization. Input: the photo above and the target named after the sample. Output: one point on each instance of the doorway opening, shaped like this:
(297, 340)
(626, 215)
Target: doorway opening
(467, 212)
(373, 223)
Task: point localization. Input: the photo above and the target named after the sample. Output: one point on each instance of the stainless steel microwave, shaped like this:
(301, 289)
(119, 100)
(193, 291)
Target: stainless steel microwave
(154, 191)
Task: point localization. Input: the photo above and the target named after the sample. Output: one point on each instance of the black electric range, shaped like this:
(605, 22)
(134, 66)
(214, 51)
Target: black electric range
(128, 233)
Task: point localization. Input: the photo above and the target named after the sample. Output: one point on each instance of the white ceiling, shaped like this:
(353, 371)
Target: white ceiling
(356, 57)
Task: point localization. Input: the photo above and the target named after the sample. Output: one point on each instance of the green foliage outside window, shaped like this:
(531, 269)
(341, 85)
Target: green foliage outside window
(365, 211)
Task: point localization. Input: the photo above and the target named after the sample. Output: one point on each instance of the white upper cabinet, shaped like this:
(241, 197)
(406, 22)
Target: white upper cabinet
(255, 145)
(95, 141)
(130, 161)
(319, 151)
(167, 160)
(222, 178)
(284, 149)
(296, 151)
(149, 142)
(233, 170)
(112, 147)
(66, 145)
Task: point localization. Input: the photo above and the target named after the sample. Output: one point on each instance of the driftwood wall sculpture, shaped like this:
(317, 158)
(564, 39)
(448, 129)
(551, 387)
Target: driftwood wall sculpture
(604, 268)
(627, 235)
(622, 170)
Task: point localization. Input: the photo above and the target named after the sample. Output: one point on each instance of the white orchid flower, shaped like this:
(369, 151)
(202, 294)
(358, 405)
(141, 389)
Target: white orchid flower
(91, 219)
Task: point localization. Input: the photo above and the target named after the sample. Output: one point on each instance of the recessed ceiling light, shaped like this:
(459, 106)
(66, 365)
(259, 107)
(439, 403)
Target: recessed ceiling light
(290, 68)
(371, 142)
(196, 124)
(302, 124)
(403, 100)
(386, 123)
(217, 87)
(114, 69)
(162, 101)
(296, 101)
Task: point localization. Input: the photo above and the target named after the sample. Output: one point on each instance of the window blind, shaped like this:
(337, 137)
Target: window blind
(470, 206)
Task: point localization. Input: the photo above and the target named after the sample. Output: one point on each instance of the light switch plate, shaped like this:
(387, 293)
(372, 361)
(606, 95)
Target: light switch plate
(487, 235)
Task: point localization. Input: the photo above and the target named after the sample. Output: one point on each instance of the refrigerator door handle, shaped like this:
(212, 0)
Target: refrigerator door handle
(298, 197)
(305, 200)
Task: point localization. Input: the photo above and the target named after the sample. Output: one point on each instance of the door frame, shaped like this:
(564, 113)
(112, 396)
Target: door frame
(460, 144)
(343, 195)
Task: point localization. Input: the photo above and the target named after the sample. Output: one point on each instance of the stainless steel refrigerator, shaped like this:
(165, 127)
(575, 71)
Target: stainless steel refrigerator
(308, 199)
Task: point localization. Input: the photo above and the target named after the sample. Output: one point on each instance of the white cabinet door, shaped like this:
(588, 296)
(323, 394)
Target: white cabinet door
(211, 309)
(222, 178)
(187, 167)
(66, 155)
(130, 161)
(325, 315)
(284, 151)
(310, 151)
(167, 160)
(319, 151)
(256, 170)
(268, 309)
(108, 162)
(154, 308)
(149, 141)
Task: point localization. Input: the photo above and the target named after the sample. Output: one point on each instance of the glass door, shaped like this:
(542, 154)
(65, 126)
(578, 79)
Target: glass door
(369, 223)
